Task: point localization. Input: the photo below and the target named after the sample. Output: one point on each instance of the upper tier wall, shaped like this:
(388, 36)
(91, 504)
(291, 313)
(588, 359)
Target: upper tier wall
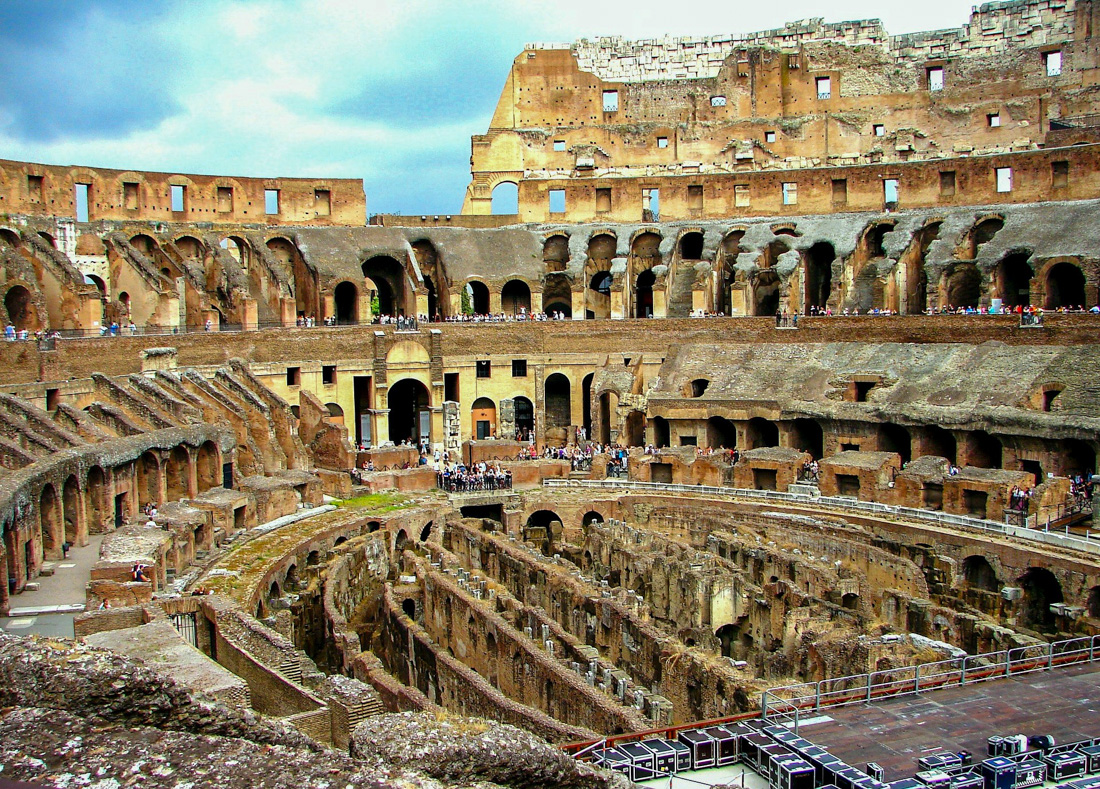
(52, 190)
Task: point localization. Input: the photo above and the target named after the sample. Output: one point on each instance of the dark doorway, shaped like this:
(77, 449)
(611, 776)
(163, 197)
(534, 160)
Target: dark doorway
(346, 297)
(643, 298)
(819, 274)
(895, 438)
(762, 433)
(807, 435)
(1065, 287)
(1015, 276)
(410, 412)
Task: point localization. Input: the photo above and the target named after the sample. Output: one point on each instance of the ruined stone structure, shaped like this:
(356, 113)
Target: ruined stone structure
(836, 495)
(813, 117)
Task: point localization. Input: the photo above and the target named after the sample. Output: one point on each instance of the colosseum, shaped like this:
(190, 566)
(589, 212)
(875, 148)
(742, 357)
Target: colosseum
(771, 399)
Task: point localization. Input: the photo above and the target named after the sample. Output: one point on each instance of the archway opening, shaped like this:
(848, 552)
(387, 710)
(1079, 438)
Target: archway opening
(1065, 287)
(148, 469)
(661, 432)
(505, 199)
(483, 416)
(176, 474)
(21, 310)
(426, 532)
(963, 286)
(819, 274)
(599, 295)
(544, 528)
(206, 466)
(388, 277)
(734, 639)
(555, 253)
(983, 233)
(346, 299)
(691, 246)
(978, 573)
(721, 433)
(410, 412)
(525, 418)
(558, 408)
(586, 404)
(1080, 457)
(1041, 589)
(515, 297)
(1014, 274)
(762, 433)
(633, 429)
(807, 435)
(609, 412)
(591, 517)
(765, 291)
(70, 496)
(643, 294)
(95, 494)
(478, 295)
(49, 520)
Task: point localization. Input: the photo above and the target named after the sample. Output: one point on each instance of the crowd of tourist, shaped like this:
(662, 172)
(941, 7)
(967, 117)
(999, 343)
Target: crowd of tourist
(461, 478)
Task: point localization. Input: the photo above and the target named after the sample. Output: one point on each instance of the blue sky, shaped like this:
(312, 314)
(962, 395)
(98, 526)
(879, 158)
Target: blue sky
(385, 90)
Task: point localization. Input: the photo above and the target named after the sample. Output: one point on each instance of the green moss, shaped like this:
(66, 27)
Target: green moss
(376, 502)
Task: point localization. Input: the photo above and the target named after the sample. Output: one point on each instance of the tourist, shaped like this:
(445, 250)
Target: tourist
(9, 333)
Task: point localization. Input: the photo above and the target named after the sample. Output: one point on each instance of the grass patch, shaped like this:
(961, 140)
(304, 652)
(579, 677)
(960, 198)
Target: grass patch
(375, 502)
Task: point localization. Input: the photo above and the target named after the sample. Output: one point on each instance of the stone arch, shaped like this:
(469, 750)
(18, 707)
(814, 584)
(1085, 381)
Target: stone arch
(400, 541)
(505, 198)
(177, 474)
(515, 297)
(735, 639)
(557, 401)
(697, 387)
(599, 295)
(426, 532)
(190, 248)
(148, 479)
(555, 252)
(335, 415)
(49, 519)
(602, 248)
(721, 433)
(874, 238)
(478, 293)
(1079, 457)
(557, 295)
(691, 245)
(808, 436)
(435, 278)
(1040, 589)
(346, 303)
(410, 403)
(591, 517)
(274, 592)
(1065, 286)
(408, 606)
(850, 601)
(22, 312)
(95, 499)
(961, 285)
(208, 466)
(73, 508)
(1014, 275)
(544, 527)
(762, 433)
(765, 292)
(982, 233)
(817, 262)
(372, 526)
(978, 573)
(307, 297)
(387, 276)
(916, 275)
(9, 238)
(238, 249)
(483, 417)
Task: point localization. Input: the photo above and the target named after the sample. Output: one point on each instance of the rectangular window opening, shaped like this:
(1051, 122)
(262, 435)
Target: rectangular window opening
(450, 387)
(53, 399)
(688, 441)
(328, 374)
(130, 199)
(1053, 63)
(1004, 179)
(890, 191)
(225, 199)
(35, 188)
(1059, 175)
(557, 201)
(769, 136)
(880, 130)
(603, 200)
(294, 376)
(83, 201)
(947, 183)
(935, 77)
(322, 202)
(651, 205)
(741, 195)
(519, 368)
(718, 101)
(484, 369)
(790, 193)
(824, 87)
(271, 201)
(840, 191)
(611, 101)
(993, 119)
(662, 142)
(178, 195)
(559, 145)
(695, 197)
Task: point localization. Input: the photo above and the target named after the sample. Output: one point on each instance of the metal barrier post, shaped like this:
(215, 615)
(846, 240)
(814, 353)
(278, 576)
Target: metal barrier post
(916, 678)
(869, 685)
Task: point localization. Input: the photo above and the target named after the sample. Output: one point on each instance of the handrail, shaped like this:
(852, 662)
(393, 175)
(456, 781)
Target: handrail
(1086, 544)
(789, 701)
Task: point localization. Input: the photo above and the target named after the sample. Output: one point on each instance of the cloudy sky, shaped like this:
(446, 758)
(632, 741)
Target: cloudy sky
(385, 90)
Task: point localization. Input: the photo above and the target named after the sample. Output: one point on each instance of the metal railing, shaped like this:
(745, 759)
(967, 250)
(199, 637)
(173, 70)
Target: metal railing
(935, 517)
(790, 702)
